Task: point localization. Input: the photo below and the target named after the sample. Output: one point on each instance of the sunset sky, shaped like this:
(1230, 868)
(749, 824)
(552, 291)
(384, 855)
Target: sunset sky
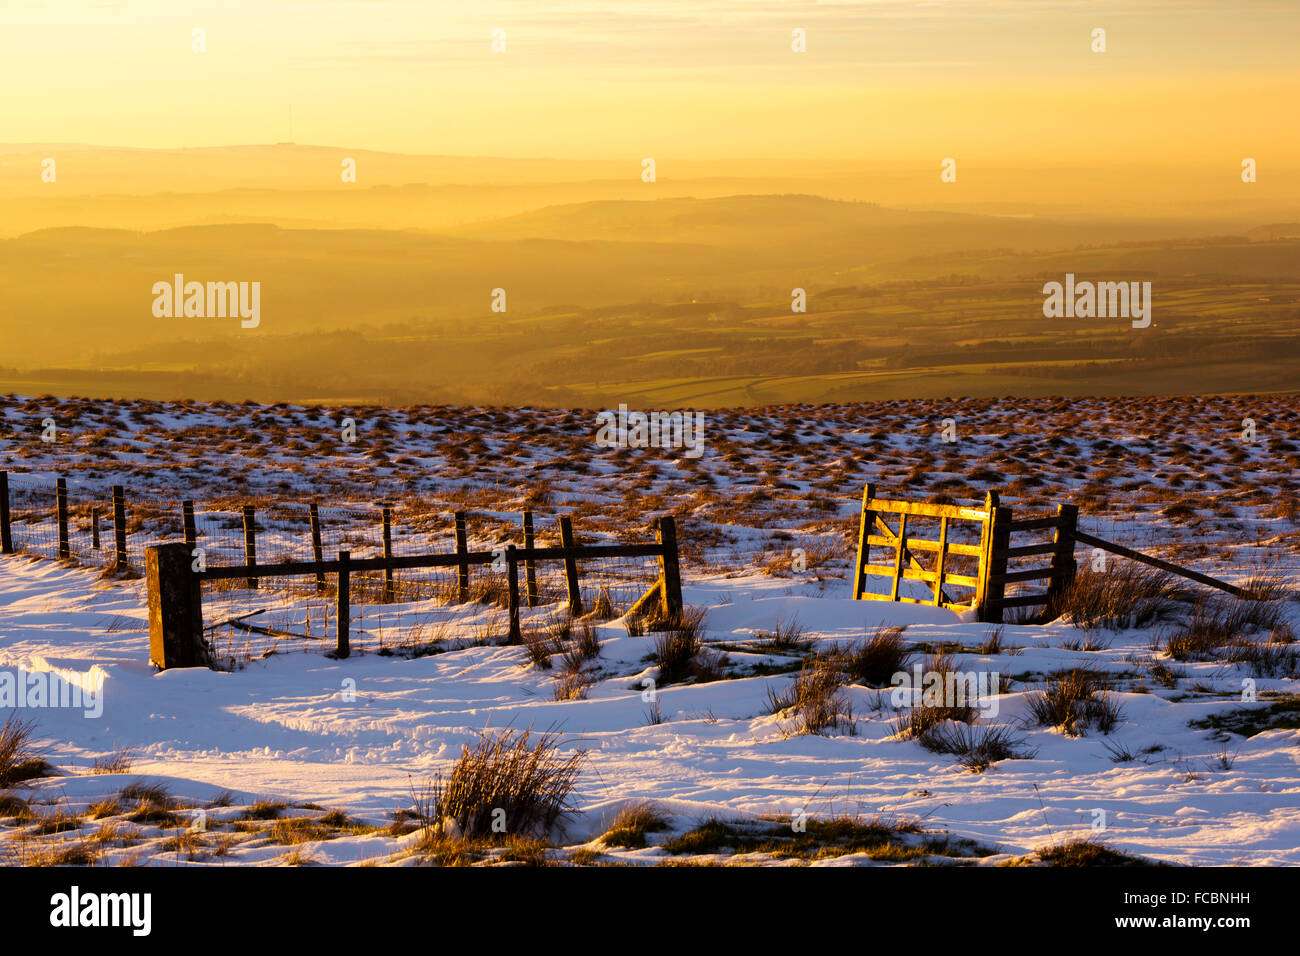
(1191, 82)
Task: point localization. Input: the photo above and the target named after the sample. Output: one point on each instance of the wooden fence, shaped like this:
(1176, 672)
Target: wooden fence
(175, 588)
(1006, 544)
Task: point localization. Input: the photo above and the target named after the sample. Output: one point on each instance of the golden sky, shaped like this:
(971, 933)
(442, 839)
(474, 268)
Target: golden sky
(1181, 81)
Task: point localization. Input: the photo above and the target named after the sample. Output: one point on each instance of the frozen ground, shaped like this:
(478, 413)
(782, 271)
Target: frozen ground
(282, 729)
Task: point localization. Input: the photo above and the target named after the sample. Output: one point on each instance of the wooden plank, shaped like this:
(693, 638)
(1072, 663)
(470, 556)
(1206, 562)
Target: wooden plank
(1063, 562)
(1034, 574)
(1029, 550)
(530, 564)
(1034, 524)
(898, 554)
(250, 541)
(1021, 600)
(61, 513)
(6, 533)
(316, 549)
(462, 548)
(925, 509)
(386, 517)
(1157, 563)
(119, 527)
(570, 567)
(188, 527)
(399, 562)
(922, 544)
(938, 569)
(929, 577)
(865, 524)
(512, 601)
(907, 551)
(343, 607)
(669, 568)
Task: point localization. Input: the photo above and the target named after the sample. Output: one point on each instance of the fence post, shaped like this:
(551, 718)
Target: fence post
(6, 535)
(865, 527)
(570, 567)
(61, 510)
(187, 522)
(1063, 562)
(94, 527)
(250, 540)
(669, 567)
(343, 608)
(512, 577)
(175, 608)
(318, 553)
(388, 549)
(530, 567)
(119, 527)
(462, 549)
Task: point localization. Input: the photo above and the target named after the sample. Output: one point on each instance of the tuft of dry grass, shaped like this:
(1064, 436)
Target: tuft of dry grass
(815, 700)
(1125, 595)
(509, 779)
(19, 760)
(1074, 702)
(873, 662)
(633, 822)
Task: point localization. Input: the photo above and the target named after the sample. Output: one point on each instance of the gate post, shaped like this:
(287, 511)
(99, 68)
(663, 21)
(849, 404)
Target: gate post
(175, 608)
(6, 536)
(1063, 563)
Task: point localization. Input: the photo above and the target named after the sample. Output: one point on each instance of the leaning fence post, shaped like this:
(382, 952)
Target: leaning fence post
(1063, 565)
(512, 578)
(388, 550)
(343, 608)
(530, 567)
(175, 608)
(6, 535)
(250, 540)
(570, 567)
(119, 527)
(462, 568)
(865, 527)
(61, 510)
(317, 551)
(187, 522)
(669, 567)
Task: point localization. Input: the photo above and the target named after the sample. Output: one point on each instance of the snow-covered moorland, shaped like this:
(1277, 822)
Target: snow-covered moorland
(296, 757)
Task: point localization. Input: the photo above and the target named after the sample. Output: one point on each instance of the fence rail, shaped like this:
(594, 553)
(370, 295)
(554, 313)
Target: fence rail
(175, 595)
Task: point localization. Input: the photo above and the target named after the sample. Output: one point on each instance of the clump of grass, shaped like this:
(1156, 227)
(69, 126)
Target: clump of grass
(525, 777)
(675, 652)
(976, 747)
(540, 648)
(786, 638)
(633, 822)
(815, 700)
(264, 810)
(603, 609)
(1125, 595)
(1075, 702)
(1088, 852)
(992, 643)
(588, 644)
(874, 661)
(19, 760)
(155, 793)
(119, 761)
(159, 815)
(574, 682)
